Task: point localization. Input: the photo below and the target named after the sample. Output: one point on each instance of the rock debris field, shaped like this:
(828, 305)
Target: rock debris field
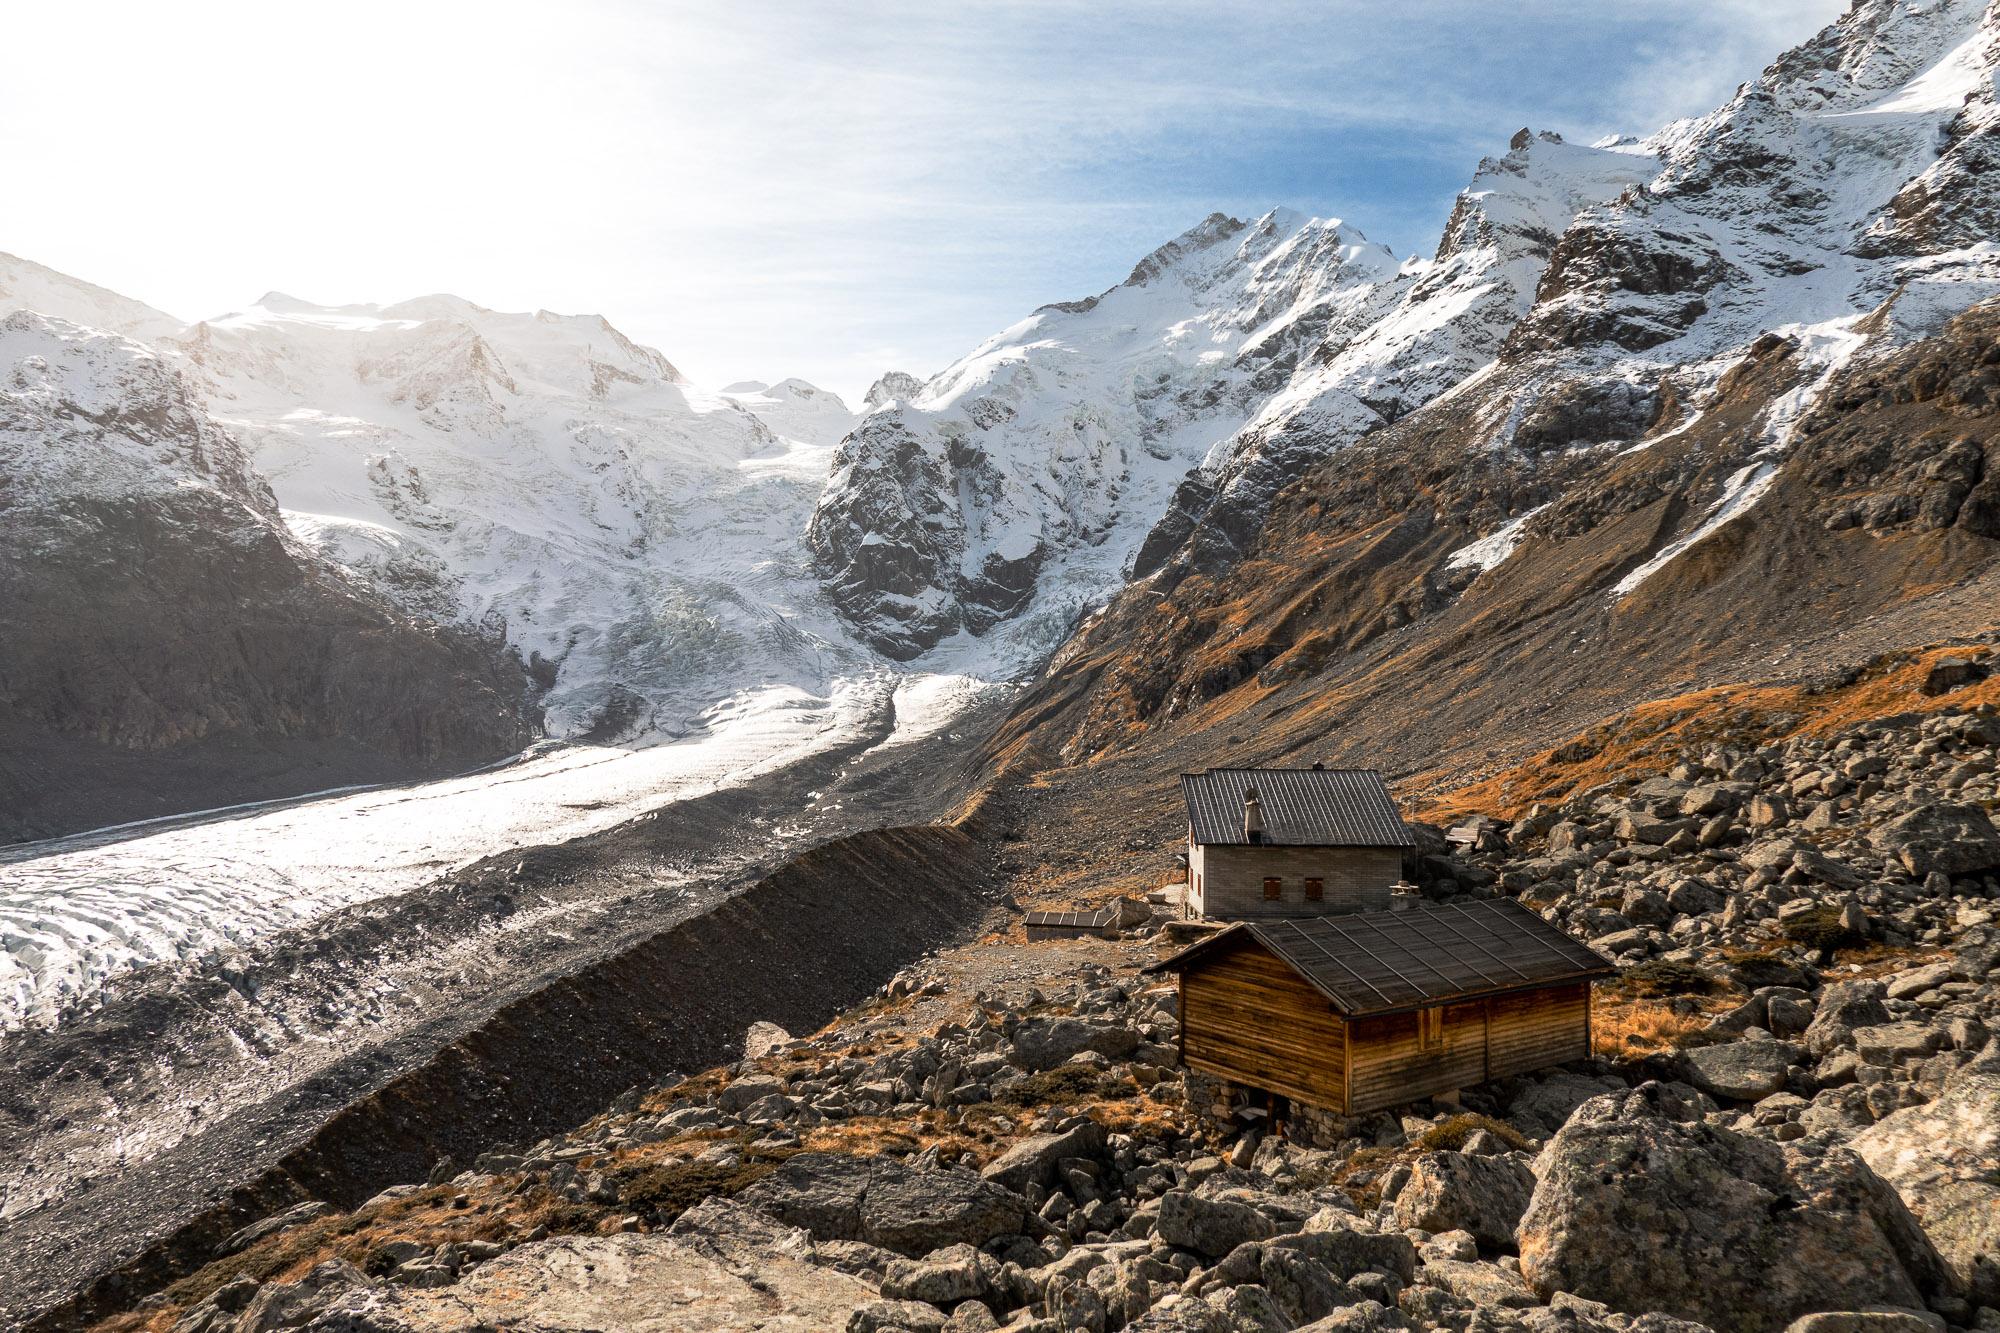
(1791, 1122)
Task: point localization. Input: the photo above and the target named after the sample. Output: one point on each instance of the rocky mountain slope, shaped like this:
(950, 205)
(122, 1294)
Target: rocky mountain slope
(162, 630)
(1734, 422)
(1583, 303)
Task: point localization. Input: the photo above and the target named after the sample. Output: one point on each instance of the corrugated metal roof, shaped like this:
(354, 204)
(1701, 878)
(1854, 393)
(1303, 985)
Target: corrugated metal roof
(1383, 962)
(1096, 920)
(1303, 807)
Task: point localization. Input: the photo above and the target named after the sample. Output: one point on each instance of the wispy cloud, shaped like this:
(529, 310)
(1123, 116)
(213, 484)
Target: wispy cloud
(766, 188)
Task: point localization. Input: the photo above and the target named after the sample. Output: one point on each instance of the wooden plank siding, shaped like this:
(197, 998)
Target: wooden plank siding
(1533, 1029)
(1248, 1018)
(1390, 1068)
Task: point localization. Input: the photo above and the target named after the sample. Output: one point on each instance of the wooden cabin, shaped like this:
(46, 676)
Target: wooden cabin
(1363, 1012)
(1290, 842)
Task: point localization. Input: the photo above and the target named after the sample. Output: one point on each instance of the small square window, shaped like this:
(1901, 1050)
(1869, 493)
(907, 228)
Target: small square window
(1274, 889)
(1315, 890)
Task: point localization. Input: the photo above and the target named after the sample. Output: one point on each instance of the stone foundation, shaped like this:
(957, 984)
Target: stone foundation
(1230, 1108)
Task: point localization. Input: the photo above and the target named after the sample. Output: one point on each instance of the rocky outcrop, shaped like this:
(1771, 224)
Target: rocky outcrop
(1455, 1191)
(1943, 1157)
(220, 658)
(883, 1202)
(1644, 1209)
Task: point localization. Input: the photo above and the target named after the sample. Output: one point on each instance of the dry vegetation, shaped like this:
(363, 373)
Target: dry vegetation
(1643, 740)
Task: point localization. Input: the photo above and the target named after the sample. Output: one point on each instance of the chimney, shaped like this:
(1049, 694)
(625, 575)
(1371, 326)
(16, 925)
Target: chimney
(1253, 816)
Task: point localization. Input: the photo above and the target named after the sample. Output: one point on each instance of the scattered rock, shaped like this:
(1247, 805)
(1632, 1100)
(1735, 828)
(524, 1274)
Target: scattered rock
(1450, 1191)
(1643, 1210)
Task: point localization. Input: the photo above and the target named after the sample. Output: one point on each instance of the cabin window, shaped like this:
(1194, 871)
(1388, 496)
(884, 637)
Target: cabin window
(1274, 889)
(1315, 890)
(1430, 1029)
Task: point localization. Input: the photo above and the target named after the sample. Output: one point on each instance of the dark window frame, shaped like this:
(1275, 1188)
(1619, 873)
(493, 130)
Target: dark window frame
(1274, 889)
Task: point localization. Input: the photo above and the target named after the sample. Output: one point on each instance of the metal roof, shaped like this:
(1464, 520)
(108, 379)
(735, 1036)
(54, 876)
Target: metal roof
(1303, 807)
(1097, 920)
(1384, 962)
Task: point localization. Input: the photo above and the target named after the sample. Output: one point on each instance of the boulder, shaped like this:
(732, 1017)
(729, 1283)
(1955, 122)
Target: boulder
(1643, 1208)
(1741, 1071)
(1844, 1007)
(943, 1277)
(1032, 1160)
(762, 1039)
(1212, 1227)
(748, 1091)
(1347, 1252)
(1884, 1320)
(1894, 1043)
(1939, 836)
(1478, 1284)
(1909, 985)
(1817, 865)
(1041, 1044)
(1944, 1159)
(1453, 1191)
(896, 1317)
(885, 1202)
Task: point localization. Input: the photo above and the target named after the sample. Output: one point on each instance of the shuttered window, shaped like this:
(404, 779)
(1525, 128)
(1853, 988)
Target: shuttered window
(1315, 890)
(1430, 1029)
(1274, 889)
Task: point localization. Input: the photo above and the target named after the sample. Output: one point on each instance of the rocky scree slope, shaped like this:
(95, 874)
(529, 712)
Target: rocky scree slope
(160, 627)
(1791, 1122)
(1359, 632)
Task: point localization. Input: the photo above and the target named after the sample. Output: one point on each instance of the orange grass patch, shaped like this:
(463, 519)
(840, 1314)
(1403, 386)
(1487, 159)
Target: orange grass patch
(1651, 737)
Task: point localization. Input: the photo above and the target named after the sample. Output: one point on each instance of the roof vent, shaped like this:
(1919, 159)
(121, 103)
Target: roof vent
(1253, 816)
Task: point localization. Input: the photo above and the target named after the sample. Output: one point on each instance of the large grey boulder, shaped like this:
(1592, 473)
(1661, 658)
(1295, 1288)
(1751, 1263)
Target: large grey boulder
(1043, 1043)
(885, 1202)
(1212, 1227)
(1844, 1007)
(1455, 1191)
(1954, 839)
(944, 1277)
(1944, 1159)
(1483, 1285)
(1033, 1160)
(1741, 1071)
(747, 1091)
(1643, 1208)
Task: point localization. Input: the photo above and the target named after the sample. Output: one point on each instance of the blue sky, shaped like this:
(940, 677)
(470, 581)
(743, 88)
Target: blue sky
(762, 189)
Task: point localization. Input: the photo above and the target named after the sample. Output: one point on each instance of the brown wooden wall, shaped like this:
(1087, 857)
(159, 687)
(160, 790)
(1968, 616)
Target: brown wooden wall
(1358, 879)
(1248, 1017)
(1390, 1068)
(1538, 1028)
